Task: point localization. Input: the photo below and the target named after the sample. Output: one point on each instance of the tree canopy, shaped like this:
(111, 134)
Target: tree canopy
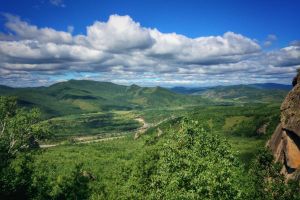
(189, 164)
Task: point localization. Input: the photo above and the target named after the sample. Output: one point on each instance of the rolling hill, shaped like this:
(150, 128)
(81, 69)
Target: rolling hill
(198, 90)
(82, 96)
(266, 92)
(243, 93)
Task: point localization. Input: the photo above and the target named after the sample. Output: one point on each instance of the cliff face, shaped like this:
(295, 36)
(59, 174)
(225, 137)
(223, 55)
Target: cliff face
(285, 141)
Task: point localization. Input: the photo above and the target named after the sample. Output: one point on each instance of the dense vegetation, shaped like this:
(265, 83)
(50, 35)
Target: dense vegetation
(254, 93)
(83, 96)
(74, 97)
(190, 163)
(243, 93)
(18, 144)
(93, 123)
(205, 151)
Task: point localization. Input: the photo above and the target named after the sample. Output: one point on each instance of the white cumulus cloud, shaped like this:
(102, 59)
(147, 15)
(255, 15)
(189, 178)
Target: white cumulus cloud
(122, 49)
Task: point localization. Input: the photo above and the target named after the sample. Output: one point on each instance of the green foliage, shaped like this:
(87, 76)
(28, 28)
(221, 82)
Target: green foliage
(169, 166)
(76, 97)
(109, 163)
(249, 128)
(244, 93)
(191, 159)
(227, 121)
(15, 179)
(266, 181)
(19, 131)
(73, 186)
(189, 164)
(93, 123)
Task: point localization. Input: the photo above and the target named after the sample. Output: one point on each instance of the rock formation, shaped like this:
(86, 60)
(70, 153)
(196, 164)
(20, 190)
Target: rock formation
(285, 141)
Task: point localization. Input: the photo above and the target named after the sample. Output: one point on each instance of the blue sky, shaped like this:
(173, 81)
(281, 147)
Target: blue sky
(190, 43)
(252, 18)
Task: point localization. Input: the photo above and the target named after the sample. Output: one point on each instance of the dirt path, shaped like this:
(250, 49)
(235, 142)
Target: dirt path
(83, 140)
(141, 120)
(48, 145)
(159, 132)
(101, 140)
(142, 129)
(146, 126)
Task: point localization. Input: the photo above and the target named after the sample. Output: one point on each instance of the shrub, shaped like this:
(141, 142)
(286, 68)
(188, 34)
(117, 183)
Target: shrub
(189, 164)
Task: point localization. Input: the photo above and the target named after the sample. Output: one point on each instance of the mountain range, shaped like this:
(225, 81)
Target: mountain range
(83, 96)
(199, 90)
(80, 96)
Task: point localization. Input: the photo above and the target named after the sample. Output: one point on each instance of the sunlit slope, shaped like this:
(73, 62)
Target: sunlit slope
(244, 93)
(80, 96)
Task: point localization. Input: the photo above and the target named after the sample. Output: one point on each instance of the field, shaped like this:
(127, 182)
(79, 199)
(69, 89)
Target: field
(93, 123)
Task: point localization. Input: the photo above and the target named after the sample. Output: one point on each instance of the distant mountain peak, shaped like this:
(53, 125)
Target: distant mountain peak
(134, 86)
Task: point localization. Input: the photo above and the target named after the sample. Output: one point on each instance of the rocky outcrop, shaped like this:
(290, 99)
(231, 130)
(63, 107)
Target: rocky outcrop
(285, 141)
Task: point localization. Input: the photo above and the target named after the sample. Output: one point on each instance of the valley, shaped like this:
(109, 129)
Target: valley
(149, 100)
(117, 153)
(109, 130)
(83, 110)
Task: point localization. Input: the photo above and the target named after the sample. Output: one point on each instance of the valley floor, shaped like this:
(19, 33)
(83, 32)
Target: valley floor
(106, 156)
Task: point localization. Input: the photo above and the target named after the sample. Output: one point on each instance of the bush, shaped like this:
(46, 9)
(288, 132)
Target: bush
(73, 186)
(188, 164)
(267, 183)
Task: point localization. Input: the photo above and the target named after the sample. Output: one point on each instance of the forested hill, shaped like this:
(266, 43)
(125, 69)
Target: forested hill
(245, 93)
(78, 96)
(269, 92)
(262, 86)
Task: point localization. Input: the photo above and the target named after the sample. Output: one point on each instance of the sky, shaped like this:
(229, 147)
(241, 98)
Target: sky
(149, 43)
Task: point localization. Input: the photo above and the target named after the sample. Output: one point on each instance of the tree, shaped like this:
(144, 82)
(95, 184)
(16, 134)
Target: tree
(267, 183)
(73, 186)
(19, 129)
(189, 164)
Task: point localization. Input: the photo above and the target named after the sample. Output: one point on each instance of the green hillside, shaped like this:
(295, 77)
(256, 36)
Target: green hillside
(243, 93)
(117, 163)
(240, 124)
(83, 107)
(83, 96)
(206, 145)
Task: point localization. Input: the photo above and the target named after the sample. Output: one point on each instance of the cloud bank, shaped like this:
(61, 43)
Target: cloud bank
(122, 51)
